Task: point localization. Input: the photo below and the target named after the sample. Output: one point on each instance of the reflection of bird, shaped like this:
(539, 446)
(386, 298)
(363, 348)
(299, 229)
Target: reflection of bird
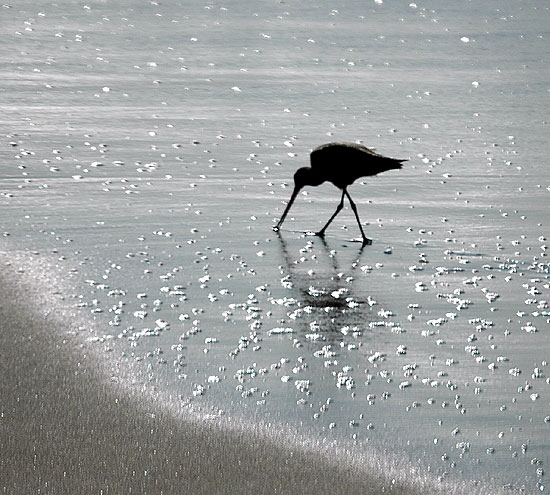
(341, 164)
(324, 289)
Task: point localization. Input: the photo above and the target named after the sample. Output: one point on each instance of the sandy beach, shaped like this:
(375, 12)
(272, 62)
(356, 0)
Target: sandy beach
(64, 430)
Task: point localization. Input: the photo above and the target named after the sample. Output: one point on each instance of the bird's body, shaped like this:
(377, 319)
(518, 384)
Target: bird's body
(341, 164)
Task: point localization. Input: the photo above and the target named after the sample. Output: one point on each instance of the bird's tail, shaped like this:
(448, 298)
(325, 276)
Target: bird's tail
(395, 163)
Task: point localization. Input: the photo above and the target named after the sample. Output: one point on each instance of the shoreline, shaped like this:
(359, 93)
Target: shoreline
(65, 430)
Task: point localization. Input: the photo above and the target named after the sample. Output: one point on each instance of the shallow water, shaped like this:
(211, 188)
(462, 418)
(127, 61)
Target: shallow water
(148, 151)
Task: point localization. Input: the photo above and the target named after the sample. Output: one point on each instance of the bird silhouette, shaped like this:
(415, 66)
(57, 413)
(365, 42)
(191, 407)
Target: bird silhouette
(341, 164)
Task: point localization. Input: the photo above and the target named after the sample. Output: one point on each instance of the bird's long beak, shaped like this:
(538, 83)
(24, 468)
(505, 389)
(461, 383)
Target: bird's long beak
(289, 204)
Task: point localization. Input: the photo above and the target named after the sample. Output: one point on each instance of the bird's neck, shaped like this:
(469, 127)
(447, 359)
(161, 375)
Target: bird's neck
(314, 178)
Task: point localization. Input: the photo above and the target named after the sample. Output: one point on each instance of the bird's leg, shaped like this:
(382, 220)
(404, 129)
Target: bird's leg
(321, 233)
(366, 240)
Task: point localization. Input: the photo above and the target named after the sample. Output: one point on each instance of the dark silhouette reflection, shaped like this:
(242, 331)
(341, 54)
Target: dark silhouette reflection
(327, 304)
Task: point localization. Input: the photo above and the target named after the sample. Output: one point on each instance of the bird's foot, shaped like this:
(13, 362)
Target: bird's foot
(367, 241)
(320, 234)
(276, 228)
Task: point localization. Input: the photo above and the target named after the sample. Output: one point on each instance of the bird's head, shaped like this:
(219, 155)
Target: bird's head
(306, 176)
(301, 178)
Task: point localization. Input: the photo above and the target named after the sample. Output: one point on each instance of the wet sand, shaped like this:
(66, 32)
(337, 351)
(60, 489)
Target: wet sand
(65, 430)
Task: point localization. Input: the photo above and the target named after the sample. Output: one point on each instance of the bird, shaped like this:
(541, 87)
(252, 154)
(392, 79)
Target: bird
(339, 163)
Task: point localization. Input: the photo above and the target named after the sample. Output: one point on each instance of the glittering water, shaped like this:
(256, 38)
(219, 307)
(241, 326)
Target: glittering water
(147, 151)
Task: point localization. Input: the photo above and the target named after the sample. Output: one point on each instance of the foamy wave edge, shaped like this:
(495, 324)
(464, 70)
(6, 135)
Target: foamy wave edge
(48, 284)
